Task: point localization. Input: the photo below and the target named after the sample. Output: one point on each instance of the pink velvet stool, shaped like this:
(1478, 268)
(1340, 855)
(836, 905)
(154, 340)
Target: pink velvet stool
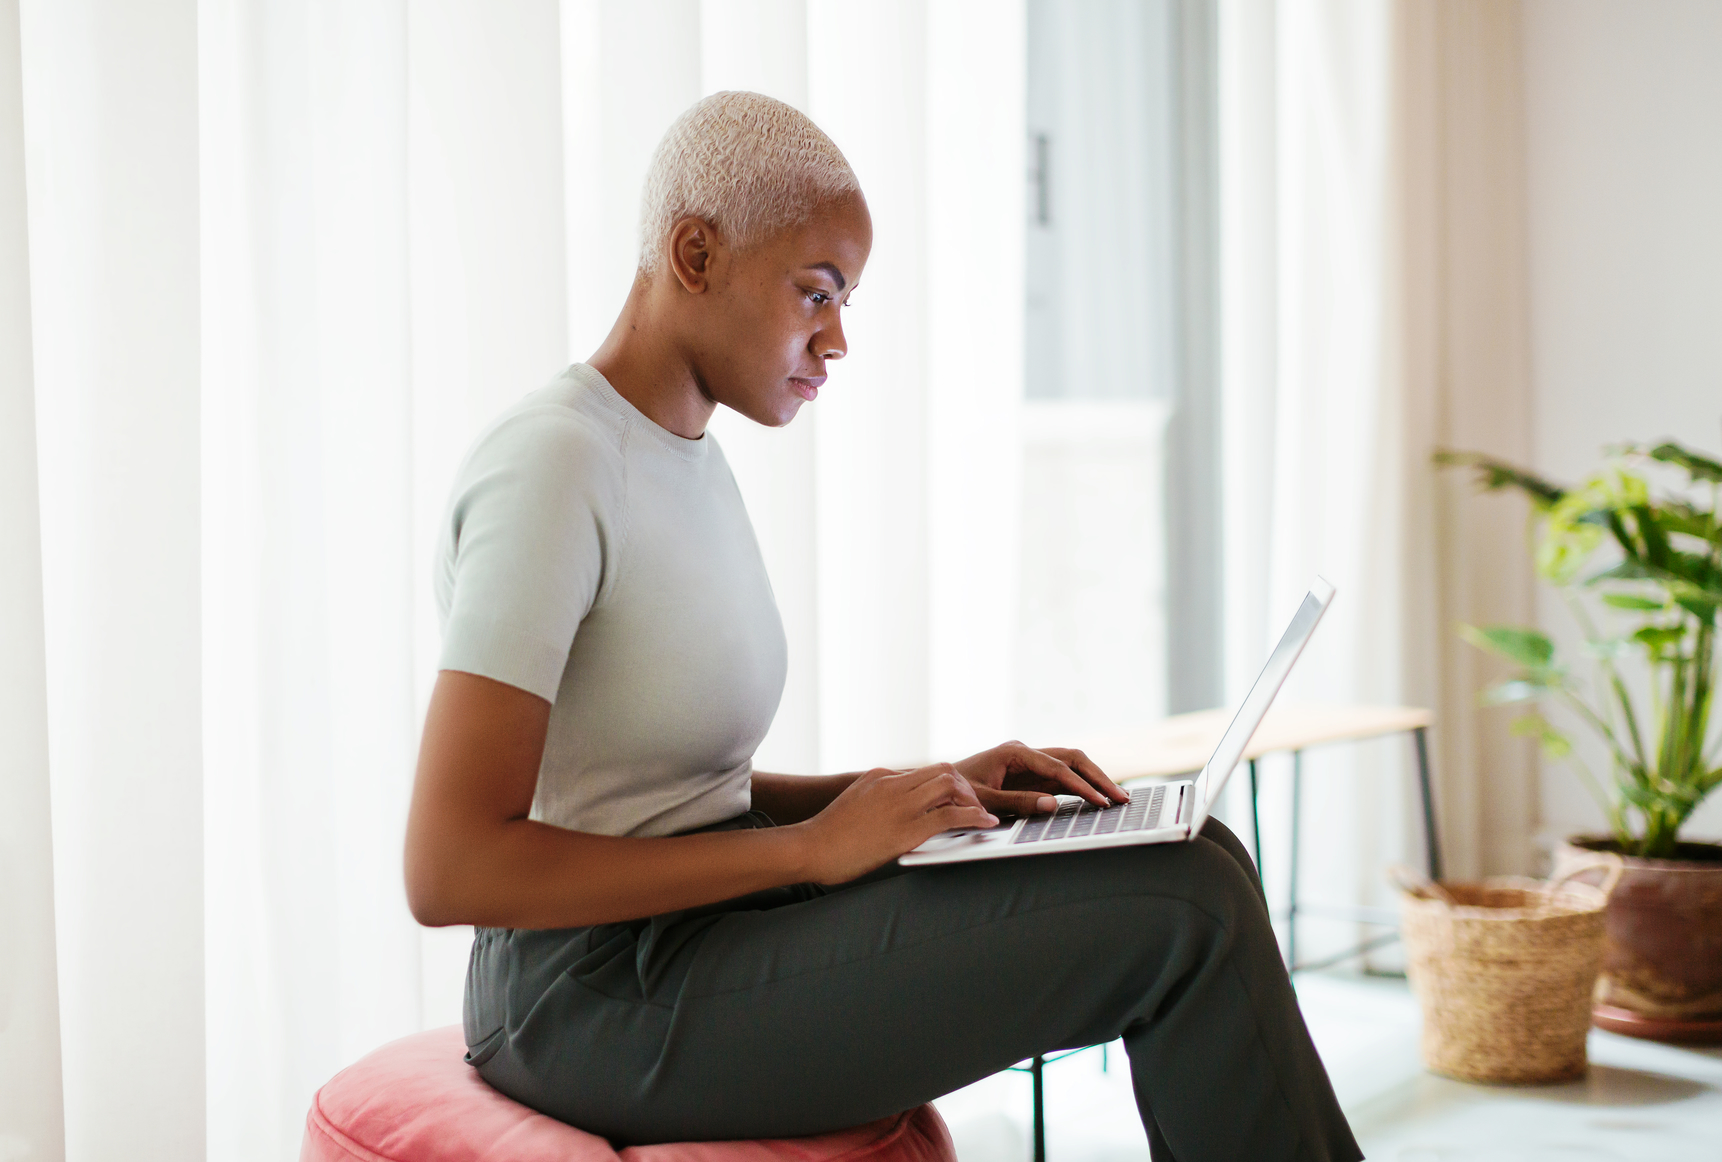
(416, 1100)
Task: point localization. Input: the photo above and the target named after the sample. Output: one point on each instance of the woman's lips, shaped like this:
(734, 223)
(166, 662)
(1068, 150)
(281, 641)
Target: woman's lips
(807, 389)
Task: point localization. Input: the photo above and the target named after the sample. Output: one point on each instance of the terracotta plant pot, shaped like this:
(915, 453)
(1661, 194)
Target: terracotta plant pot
(1662, 957)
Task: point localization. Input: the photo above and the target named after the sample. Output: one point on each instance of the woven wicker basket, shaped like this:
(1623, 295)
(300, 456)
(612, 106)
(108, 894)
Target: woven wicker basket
(1504, 970)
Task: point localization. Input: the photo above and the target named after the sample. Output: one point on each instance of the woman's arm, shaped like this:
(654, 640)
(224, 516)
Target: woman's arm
(473, 856)
(794, 798)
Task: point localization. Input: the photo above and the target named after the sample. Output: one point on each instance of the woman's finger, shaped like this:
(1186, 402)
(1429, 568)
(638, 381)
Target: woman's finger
(922, 775)
(1016, 802)
(952, 817)
(1088, 769)
(943, 788)
(1045, 765)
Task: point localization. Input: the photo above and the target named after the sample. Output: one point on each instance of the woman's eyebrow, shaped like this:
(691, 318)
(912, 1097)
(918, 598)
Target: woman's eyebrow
(831, 269)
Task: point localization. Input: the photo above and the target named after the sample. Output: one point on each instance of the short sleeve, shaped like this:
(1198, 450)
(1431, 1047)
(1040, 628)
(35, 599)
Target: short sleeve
(524, 547)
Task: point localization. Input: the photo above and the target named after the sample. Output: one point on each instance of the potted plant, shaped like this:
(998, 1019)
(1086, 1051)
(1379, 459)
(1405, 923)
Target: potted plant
(1641, 572)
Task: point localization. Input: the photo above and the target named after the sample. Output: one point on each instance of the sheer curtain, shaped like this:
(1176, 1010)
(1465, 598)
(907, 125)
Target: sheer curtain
(30, 1095)
(1316, 464)
(1372, 274)
(284, 258)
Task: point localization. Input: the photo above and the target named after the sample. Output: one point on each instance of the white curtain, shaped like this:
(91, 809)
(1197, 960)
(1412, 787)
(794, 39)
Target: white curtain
(1314, 460)
(1372, 274)
(284, 258)
(109, 127)
(30, 1095)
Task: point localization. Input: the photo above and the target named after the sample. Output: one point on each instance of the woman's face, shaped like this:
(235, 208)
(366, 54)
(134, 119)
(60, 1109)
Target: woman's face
(772, 314)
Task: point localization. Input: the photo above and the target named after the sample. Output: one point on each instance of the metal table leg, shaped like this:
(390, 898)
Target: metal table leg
(1035, 1069)
(1432, 845)
(1255, 817)
(1296, 842)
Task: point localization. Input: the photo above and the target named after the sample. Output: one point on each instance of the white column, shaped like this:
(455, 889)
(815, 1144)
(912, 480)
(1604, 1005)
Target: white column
(975, 236)
(31, 1126)
(111, 133)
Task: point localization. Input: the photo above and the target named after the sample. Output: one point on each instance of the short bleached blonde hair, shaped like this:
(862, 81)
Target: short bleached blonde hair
(747, 163)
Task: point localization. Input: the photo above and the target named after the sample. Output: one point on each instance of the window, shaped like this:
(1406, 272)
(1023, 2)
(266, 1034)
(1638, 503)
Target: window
(1120, 608)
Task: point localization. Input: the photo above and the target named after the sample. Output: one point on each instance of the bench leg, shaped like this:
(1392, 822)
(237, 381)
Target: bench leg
(1431, 844)
(1034, 1069)
(1296, 843)
(1255, 818)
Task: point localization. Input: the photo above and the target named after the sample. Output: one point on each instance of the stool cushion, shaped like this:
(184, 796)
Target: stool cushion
(417, 1100)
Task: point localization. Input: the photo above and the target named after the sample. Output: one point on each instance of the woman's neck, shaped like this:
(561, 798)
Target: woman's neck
(645, 363)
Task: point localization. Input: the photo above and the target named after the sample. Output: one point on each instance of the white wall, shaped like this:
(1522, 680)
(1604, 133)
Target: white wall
(1623, 105)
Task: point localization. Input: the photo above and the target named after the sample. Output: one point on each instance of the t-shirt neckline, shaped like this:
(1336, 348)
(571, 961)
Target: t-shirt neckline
(676, 445)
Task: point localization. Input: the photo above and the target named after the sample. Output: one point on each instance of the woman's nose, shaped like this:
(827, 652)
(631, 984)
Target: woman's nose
(829, 343)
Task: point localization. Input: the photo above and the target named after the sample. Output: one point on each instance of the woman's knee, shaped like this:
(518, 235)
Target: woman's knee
(1216, 832)
(1204, 871)
(1225, 866)
(1221, 836)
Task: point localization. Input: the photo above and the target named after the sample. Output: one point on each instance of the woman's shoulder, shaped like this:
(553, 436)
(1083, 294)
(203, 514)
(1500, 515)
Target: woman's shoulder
(552, 435)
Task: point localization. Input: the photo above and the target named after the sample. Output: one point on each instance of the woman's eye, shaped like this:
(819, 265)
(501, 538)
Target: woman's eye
(818, 298)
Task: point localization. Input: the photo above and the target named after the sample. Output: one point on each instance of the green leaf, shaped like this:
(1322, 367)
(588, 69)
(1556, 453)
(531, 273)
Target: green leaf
(1691, 568)
(1528, 724)
(1701, 608)
(1627, 570)
(1618, 488)
(1698, 466)
(1494, 475)
(1654, 536)
(1634, 601)
(1679, 517)
(1638, 796)
(1509, 693)
(1527, 647)
(1700, 593)
(1555, 744)
(1564, 548)
(1659, 639)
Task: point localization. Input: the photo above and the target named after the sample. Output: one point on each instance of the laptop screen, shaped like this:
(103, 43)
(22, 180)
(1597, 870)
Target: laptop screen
(1225, 758)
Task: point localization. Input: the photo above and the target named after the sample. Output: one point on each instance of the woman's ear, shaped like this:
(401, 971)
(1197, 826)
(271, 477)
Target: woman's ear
(693, 246)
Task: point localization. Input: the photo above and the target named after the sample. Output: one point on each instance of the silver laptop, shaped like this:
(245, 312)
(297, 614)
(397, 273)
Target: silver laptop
(1170, 812)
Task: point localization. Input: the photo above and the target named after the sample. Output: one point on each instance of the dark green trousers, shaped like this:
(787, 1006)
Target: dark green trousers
(806, 1009)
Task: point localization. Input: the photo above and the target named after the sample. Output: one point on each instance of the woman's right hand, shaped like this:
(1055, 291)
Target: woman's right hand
(885, 813)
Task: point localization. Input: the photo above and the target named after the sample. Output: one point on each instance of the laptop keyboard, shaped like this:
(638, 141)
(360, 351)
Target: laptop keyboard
(1075, 820)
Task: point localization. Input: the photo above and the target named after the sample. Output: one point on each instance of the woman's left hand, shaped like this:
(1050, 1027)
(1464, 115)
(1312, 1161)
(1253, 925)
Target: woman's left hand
(1020, 780)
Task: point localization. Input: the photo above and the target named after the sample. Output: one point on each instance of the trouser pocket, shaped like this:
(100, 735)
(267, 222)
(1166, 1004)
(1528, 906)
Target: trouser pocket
(482, 1009)
(477, 1055)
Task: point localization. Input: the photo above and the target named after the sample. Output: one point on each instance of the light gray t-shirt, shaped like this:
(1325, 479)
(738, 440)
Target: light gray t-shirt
(607, 565)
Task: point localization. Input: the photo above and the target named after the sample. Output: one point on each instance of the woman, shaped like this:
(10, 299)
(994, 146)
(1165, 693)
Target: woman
(674, 946)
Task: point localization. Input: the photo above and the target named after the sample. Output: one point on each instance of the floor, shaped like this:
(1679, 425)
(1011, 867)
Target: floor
(1641, 1102)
